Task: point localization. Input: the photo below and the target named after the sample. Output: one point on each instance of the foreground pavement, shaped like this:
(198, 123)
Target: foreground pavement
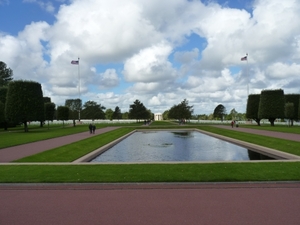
(145, 204)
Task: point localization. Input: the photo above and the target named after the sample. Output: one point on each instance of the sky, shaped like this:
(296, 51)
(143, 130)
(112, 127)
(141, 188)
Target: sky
(157, 52)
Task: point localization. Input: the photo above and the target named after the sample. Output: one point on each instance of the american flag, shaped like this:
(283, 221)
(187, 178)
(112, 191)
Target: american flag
(244, 58)
(75, 62)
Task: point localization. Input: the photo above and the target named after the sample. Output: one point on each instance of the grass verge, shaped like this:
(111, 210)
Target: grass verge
(292, 147)
(71, 152)
(215, 172)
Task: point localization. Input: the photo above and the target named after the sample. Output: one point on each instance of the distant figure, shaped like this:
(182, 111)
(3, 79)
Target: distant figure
(236, 124)
(232, 123)
(91, 128)
(94, 128)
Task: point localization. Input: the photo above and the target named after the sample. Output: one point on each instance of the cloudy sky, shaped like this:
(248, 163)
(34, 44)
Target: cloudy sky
(159, 52)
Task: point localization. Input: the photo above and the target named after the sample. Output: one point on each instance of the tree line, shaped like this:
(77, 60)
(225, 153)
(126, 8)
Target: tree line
(273, 104)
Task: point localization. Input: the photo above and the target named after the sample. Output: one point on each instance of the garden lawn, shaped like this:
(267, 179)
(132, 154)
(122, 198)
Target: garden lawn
(214, 172)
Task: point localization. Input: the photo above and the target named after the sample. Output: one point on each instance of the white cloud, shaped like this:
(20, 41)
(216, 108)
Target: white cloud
(109, 79)
(281, 70)
(151, 40)
(150, 65)
(47, 6)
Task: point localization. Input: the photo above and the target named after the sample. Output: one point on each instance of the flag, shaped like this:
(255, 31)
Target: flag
(75, 62)
(244, 58)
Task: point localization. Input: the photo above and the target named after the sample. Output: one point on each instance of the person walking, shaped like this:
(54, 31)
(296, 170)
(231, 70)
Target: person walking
(94, 128)
(91, 128)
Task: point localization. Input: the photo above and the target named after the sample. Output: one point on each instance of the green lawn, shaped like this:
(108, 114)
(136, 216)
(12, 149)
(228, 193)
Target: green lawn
(206, 172)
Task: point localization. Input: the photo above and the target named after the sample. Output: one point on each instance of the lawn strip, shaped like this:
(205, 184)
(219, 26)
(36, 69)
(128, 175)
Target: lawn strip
(71, 152)
(292, 147)
(214, 172)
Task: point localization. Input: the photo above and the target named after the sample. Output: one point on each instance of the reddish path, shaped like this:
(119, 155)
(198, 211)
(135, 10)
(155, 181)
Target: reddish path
(151, 204)
(21, 151)
(282, 135)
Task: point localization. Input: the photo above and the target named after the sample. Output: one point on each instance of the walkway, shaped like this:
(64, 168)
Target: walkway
(21, 151)
(149, 204)
(282, 135)
(145, 204)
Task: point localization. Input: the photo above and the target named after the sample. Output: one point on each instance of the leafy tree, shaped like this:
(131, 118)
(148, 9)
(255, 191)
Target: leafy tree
(24, 102)
(63, 113)
(165, 115)
(252, 108)
(92, 110)
(293, 98)
(49, 111)
(271, 105)
(109, 114)
(138, 111)
(289, 111)
(46, 99)
(2, 112)
(117, 113)
(3, 93)
(219, 112)
(74, 106)
(233, 114)
(125, 115)
(181, 111)
(5, 74)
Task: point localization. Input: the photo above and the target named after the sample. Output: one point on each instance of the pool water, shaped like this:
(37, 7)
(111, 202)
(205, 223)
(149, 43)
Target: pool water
(160, 146)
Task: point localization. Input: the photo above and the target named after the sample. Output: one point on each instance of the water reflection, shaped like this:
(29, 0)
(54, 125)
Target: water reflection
(162, 146)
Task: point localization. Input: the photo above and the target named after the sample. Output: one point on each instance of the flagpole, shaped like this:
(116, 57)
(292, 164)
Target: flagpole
(247, 76)
(79, 87)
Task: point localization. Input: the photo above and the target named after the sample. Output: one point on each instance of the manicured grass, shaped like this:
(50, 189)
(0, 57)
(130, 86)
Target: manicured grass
(71, 152)
(206, 172)
(292, 147)
(216, 172)
(16, 136)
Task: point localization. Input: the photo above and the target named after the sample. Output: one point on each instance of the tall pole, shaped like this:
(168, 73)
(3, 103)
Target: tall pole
(247, 75)
(79, 87)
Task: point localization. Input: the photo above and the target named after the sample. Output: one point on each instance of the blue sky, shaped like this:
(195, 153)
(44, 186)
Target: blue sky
(159, 52)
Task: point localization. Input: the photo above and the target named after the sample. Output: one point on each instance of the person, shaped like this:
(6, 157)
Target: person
(236, 124)
(94, 128)
(232, 123)
(90, 128)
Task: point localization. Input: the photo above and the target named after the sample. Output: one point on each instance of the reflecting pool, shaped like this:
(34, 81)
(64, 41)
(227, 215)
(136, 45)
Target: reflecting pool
(160, 146)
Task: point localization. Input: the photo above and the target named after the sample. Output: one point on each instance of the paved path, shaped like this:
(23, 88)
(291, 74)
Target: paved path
(149, 204)
(21, 151)
(282, 135)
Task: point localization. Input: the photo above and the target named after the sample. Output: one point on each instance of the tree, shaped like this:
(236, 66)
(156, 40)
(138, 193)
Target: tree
(117, 113)
(63, 113)
(293, 98)
(3, 93)
(92, 110)
(219, 112)
(75, 108)
(125, 115)
(233, 114)
(289, 111)
(271, 105)
(49, 111)
(252, 108)
(181, 111)
(165, 115)
(109, 114)
(2, 112)
(5, 74)
(24, 102)
(138, 111)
